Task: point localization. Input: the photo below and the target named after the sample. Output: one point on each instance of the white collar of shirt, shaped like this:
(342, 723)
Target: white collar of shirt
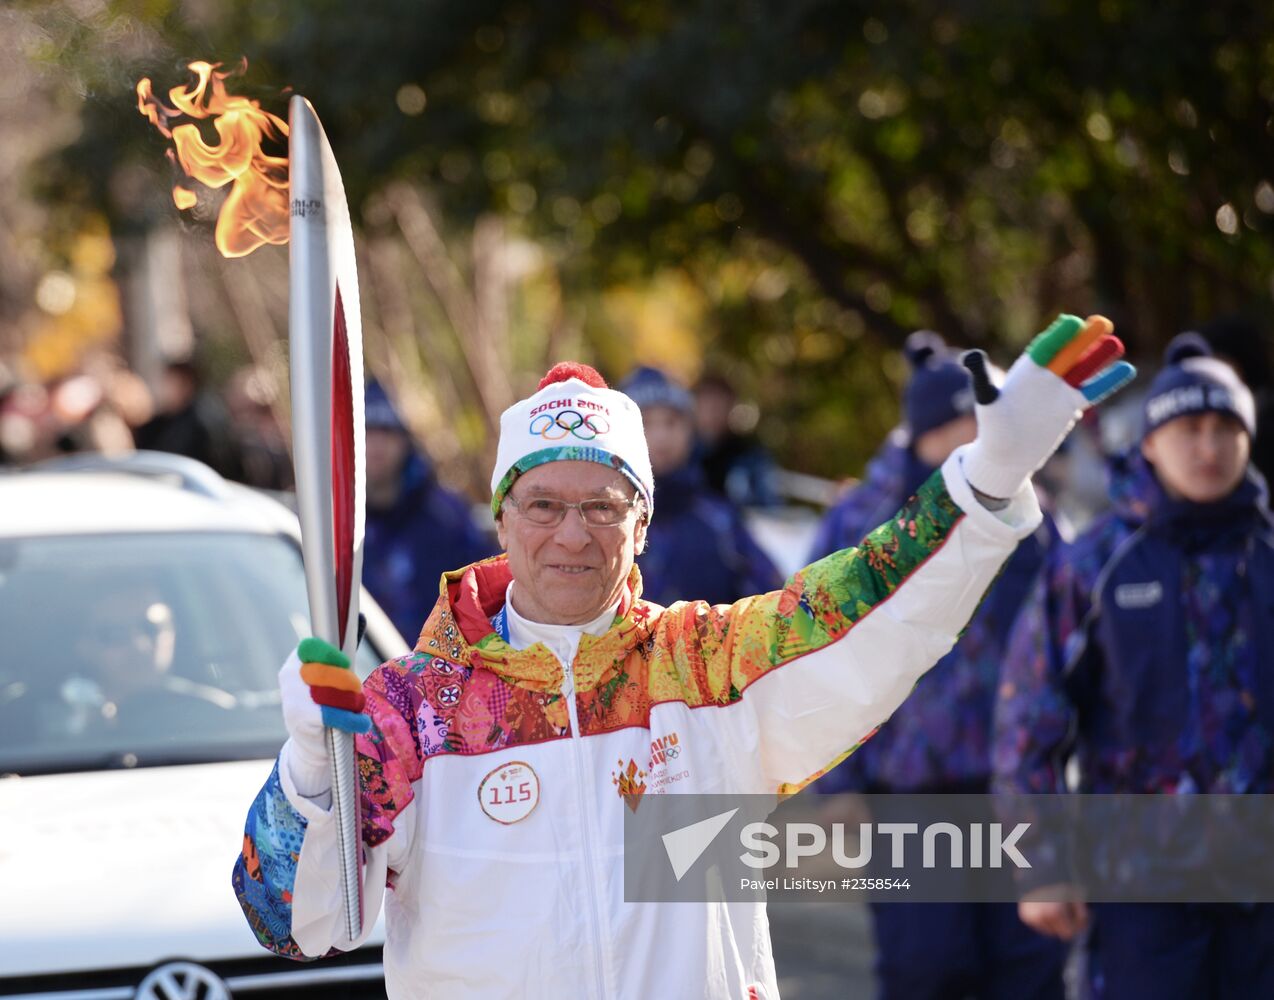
(562, 640)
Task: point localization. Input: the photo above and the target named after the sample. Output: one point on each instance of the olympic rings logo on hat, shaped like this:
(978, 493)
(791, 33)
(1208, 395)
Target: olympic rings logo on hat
(555, 426)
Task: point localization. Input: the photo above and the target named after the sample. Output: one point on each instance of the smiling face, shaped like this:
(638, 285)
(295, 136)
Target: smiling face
(569, 573)
(1201, 457)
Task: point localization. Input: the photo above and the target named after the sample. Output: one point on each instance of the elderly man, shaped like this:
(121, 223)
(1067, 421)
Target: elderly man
(491, 757)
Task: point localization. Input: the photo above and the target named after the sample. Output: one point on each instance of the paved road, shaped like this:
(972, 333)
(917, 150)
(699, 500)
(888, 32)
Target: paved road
(823, 951)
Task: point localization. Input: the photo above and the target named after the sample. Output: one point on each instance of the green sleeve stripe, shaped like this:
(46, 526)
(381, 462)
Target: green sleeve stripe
(840, 590)
(1061, 332)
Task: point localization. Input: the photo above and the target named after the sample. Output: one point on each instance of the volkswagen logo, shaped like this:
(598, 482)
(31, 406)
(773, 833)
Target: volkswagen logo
(182, 981)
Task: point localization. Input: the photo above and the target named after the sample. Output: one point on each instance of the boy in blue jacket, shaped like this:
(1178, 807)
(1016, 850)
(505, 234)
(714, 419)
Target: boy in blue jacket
(1144, 655)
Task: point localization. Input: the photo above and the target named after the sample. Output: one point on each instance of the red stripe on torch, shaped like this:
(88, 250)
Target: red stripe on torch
(342, 468)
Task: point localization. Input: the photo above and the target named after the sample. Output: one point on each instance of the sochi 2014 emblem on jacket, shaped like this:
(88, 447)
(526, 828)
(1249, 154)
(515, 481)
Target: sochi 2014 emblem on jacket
(629, 783)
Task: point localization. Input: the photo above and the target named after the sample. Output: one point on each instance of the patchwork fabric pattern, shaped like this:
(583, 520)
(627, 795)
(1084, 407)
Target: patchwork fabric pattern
(265, 872)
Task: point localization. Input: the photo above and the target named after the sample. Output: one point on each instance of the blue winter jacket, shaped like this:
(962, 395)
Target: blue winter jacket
(1146, 650)
(939, 739)
(862, 508)
(410, 545)
(698, 547)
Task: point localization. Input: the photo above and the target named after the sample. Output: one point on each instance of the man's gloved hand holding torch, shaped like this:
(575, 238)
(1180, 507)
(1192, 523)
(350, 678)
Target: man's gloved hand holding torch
(318, 689)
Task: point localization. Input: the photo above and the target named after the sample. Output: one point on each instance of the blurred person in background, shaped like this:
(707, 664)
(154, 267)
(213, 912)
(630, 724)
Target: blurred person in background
(8, 427)
(190, 421)
(699, 548)
(115, 673)
(91, 409)
(96, 410)
(1145, 659)
(1242, 343)
(856, 508)
(1074, 480)
(416, 528)
(128, 394)
(28, 426)
(734, 463)
(263, 450)
(127, 640)
(939, 740)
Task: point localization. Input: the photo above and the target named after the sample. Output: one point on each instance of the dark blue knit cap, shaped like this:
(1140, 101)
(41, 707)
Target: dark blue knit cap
(648, 386)
(1193, 381)
(379, 411)
(939, 390)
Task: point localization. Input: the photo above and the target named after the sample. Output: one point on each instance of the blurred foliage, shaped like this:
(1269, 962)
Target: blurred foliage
(777, 189)
(78, 307)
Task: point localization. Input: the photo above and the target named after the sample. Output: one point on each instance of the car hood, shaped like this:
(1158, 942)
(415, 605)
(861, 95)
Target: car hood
(113, 869)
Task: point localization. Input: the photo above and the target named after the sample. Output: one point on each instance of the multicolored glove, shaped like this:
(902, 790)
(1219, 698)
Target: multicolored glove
(318, 689)
(333, 686)
(1072, 365)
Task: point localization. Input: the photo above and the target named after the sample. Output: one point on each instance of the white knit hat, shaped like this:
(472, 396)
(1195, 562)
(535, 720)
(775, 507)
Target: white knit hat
(573, 416)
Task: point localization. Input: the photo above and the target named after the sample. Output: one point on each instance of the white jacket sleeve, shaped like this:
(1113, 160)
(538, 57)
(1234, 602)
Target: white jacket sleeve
(805, 674)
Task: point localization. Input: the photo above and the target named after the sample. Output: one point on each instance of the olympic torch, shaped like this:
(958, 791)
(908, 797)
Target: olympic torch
(300, 200)
(326, 353)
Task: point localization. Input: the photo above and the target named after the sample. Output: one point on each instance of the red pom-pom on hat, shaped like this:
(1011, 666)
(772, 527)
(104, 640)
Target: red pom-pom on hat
(564, 370)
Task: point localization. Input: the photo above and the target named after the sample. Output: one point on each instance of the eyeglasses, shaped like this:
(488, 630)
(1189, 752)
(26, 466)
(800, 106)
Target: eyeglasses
(603, 512)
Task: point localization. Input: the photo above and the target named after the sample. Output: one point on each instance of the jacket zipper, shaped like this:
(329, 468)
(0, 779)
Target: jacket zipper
(586, 826)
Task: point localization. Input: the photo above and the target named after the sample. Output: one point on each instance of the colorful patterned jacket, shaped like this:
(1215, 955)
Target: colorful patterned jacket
(1147, 651)
(939, 740)
(492, 800)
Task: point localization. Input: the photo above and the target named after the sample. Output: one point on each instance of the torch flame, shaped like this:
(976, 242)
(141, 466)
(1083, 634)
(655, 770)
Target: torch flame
(256, 209)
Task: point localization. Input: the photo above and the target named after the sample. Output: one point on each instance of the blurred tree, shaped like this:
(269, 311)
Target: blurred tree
(820, 177)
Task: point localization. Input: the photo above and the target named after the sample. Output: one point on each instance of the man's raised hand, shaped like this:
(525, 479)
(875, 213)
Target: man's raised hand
(1072, 365)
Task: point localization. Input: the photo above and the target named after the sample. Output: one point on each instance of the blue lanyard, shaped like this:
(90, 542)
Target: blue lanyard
(501, 623)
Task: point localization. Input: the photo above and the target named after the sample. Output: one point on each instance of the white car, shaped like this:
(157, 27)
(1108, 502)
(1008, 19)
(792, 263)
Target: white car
(145, 607)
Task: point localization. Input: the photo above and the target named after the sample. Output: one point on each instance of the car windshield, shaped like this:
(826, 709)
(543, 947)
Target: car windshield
(146, 649)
